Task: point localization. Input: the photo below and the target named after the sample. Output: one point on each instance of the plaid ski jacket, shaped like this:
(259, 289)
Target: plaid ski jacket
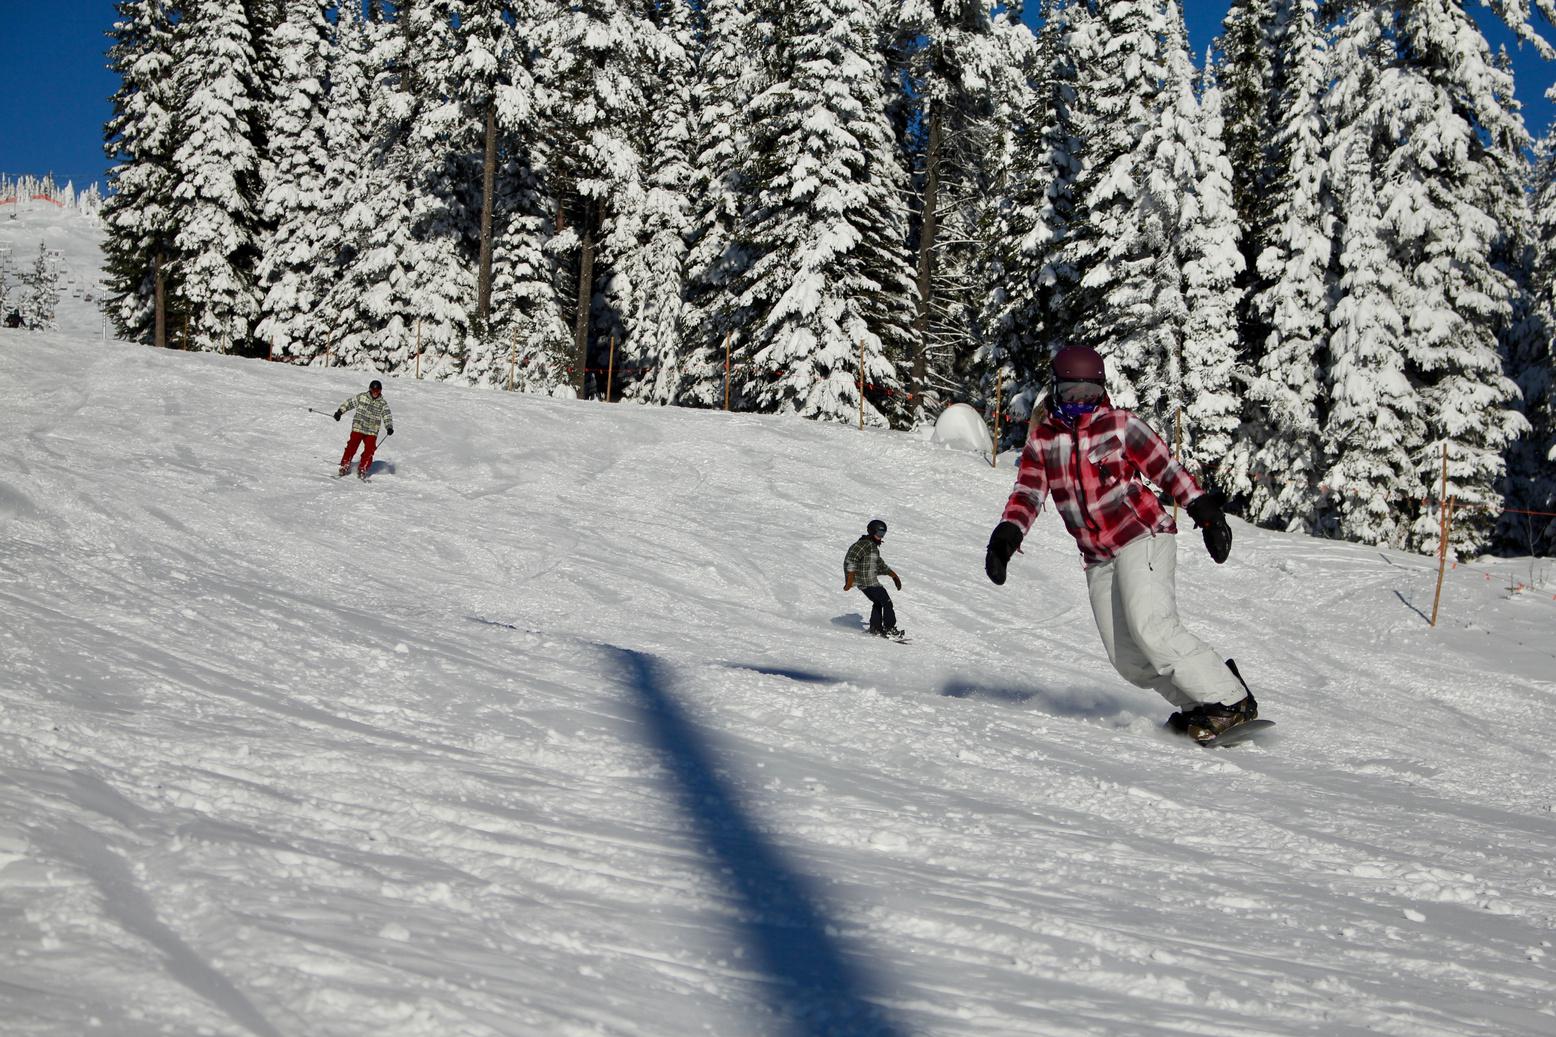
(864, 563)
(370, 413)
(1094, 473)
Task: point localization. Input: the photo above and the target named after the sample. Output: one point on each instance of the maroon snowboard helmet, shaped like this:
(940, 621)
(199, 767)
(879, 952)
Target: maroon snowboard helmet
(1079, 364)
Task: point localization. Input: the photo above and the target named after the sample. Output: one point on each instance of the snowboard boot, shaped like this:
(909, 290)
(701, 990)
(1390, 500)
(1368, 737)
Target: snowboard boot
(1210, 720)
(895, 633)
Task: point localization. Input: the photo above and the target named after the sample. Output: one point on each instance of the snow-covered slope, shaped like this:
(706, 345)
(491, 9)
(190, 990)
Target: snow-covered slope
(562, 724)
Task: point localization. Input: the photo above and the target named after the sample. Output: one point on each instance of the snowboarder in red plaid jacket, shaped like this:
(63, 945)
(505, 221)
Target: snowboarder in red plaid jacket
(1093, 460)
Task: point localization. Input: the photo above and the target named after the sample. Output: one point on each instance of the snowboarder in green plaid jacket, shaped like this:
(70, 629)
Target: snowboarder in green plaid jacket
(863, 567)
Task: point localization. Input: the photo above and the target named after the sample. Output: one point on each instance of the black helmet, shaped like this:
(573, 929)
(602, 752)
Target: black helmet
(375, 384)
(876, 528)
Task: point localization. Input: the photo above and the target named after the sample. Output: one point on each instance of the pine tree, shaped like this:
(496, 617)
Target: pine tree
(596, 55)
(1280, 465)
(526, 342)
(1445, 180)
(139, 214)
(343, 191)
(1251, 56)
(654, 352)
(1115, 256)
(1532, 462)
(1373, 423)
(1026, 315)
(728, 75)
(293, 204)
(1141, 273)
(217, 168)
(826, 233)
(374, 316)
(41, 291)
(1211, 266)
(958, 66)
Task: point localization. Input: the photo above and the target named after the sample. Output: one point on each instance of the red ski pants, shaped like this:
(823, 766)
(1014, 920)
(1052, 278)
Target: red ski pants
(369, 444)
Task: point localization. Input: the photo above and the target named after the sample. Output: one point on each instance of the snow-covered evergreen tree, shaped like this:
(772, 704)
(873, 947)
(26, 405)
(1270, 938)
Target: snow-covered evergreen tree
(1251, 54)
(140, 215)
(596, 55)
(1445, 180)
(727, 76)
(40, 291)
(293, 204)
(372, 320)
(1114, 254)
(826, 225)
(1532, 462)
(343, 187)
(1211, 266)
(1279, 464)
(1373, 424)
(963, 75)
(526, 343)
(652, 357)
(1025, 317)
(1140, 273)
(217, 169)
(442, 139)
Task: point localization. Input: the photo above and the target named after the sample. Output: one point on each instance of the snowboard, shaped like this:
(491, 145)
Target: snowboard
(1241, 733)
(904, 640)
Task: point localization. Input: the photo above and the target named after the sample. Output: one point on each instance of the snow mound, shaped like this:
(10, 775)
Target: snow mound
(961, 427)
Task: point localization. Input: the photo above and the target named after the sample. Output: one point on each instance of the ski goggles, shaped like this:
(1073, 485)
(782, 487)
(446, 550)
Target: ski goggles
(1078, 392)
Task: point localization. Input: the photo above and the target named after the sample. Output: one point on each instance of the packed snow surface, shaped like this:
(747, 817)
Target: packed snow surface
(563, 725)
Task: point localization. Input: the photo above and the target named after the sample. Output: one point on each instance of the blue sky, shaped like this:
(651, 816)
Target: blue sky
(55, 85)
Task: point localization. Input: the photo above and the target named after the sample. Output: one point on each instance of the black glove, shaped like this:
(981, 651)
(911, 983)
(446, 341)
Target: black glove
(337, 415)
(1003, 543)
(1205, 510)
(389, 431)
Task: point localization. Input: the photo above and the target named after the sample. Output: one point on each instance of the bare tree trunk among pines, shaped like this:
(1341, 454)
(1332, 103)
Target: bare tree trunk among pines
(585, 291)
(483, 303)
(926, 254)
(159, 332)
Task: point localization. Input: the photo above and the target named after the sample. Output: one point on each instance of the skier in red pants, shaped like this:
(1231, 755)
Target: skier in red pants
(372, 410)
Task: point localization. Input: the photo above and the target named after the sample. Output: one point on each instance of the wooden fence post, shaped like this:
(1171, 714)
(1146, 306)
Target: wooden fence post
(513, 358)
(999, 406)
(1445, 508)
(1177, 451)
(861, 385)
(610, 368)
(727, 334)
(418, 350)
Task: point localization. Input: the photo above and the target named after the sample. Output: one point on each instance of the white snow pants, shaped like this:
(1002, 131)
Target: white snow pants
(1135, 604)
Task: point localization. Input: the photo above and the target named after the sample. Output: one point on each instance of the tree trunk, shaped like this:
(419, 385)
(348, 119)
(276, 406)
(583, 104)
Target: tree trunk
(926, 254)
(483, 303)
(585, 292)
(159, 329)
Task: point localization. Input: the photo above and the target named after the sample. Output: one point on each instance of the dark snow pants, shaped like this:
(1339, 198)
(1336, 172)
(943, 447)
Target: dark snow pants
(369, 444)
(882, 615)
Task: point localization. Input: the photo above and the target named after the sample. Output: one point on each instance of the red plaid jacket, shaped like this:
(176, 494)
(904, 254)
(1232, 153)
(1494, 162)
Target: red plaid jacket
(1094, 474)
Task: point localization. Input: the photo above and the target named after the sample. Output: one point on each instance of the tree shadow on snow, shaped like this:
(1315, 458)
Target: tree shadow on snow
(1079, 703)
(813, 981)
(802, 676)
